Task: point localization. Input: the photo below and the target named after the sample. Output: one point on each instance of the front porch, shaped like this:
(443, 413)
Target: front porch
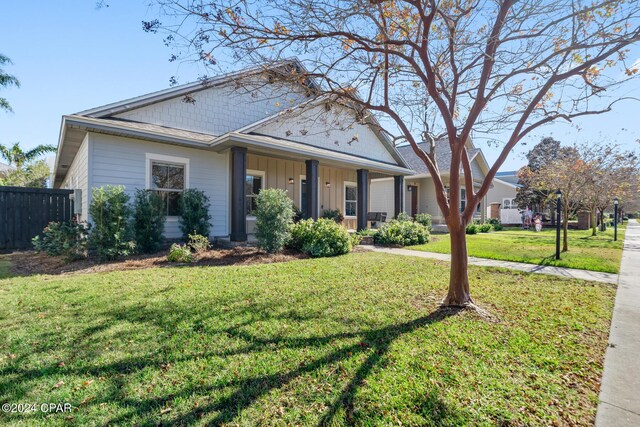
(315, 184)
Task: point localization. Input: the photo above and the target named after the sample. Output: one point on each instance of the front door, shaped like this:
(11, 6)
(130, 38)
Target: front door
(414, 200)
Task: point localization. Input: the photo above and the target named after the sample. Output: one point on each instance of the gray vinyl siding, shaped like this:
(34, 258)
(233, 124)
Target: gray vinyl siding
(77, 177)
(478, 175)
(122, 161)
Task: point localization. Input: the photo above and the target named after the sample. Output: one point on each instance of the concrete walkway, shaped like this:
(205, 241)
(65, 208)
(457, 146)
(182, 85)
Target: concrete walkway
(620, 390)
(569, 273)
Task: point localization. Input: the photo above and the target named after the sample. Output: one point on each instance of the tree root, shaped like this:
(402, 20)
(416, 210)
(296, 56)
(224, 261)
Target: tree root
(470, 307)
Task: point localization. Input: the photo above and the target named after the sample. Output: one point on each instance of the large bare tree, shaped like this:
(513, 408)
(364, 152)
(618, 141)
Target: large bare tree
(430, 69)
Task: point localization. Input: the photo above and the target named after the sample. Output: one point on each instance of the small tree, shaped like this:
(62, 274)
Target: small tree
(569, 174)
(274, 216)
(15, 155)
(33, 174)
(111, 235)
(194, 213)
(149, 216)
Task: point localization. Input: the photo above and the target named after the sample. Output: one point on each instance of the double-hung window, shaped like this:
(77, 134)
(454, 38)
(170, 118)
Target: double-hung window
(252, 185)
(463, 199)
(169, 177)
(350, 199)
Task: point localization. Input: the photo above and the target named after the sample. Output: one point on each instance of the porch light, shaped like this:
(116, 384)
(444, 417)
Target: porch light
(409, 188)
(290, 180)
(327, 184)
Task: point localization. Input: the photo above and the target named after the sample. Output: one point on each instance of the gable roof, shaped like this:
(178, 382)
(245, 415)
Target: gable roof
(185, 89)
(443, 157)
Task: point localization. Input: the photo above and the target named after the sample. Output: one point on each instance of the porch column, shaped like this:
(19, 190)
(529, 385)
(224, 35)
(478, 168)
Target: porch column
(363, 198)
(238, 199)
(398, 195)
(312, 189)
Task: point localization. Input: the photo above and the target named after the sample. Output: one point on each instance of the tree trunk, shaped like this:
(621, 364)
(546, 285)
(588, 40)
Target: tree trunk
(594, 226)
(603, 226)
(458, 295)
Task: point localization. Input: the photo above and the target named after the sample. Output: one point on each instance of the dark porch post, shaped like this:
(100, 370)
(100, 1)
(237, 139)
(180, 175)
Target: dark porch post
(312, 189)
(238, 199)
(363, 198)
(398, 193)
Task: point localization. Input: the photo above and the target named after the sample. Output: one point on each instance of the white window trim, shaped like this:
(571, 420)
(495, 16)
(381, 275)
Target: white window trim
(153, 157)
(261, 174)
(463, 190)
(344, 198)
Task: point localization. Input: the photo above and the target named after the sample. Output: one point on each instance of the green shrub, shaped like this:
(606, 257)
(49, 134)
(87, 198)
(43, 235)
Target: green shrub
(194, 213)
(198, 243)
(355, 239)
(148, 220)
(274, 216)
(368, 232)
(485, 228)
(498, 227)
(111, 235)
(333, 214)
(493, 221)
(179, 253)
(472, 229)
(403, 216)
(424, 219)
(321, 238)
(67, 239)
(402, 233)
(299, 234)
(496, 224)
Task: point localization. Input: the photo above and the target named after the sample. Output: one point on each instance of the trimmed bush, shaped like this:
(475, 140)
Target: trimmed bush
(194, 213)
(403, 216)
(402, 233)
(321, 238)
(424, 219)
(472, 229)
(274, 216)
(111, 235)
(148, 220)
(179, 253)
(333, 214)
(66, 239)
(484, 228)
(198, 243)
(498, 227)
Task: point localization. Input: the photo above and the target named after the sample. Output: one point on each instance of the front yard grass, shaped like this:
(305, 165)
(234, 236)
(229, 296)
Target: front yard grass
(595, 253)
(352, 340)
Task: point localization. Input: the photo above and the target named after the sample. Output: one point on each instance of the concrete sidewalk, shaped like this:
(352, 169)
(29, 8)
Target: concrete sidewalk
(569, 273)
(620, 389)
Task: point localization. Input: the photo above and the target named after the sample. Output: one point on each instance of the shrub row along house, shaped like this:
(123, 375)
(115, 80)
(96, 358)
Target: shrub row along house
(232, 136)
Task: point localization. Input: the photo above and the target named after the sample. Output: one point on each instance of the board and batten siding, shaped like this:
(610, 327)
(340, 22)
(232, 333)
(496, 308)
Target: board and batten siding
(123, 161)
(77, 177)
(278, 171)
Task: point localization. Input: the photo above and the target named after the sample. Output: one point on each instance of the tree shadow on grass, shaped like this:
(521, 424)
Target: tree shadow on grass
(243, 392)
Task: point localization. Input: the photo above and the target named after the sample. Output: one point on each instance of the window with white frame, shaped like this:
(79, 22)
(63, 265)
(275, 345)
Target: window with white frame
(350, 199)
(168, 180)
(252, 185)
(508, 204)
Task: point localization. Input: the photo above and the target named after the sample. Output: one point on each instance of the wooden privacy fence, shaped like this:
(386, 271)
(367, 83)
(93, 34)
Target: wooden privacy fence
(24, 212)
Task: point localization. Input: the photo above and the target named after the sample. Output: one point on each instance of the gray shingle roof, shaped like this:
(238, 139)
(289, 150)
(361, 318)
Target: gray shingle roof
(443, 156)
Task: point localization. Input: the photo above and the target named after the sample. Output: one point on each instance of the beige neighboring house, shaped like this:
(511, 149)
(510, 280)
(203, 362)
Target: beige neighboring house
(501, 198)
(419, 189)
(230, 140)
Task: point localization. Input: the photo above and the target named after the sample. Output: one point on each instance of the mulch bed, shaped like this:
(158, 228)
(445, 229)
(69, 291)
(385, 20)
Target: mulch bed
(29, 263)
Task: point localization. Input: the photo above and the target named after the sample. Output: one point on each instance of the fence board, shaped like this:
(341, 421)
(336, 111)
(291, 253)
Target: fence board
(24, 212)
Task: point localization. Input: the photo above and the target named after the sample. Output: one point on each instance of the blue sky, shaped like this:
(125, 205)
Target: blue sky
(70, 56)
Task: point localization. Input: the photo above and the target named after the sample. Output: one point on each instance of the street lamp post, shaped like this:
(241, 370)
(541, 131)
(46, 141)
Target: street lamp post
(615, 219)
(558, 203)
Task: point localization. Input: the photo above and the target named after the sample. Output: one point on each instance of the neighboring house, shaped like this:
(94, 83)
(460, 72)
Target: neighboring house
(230, 141)
(420, 195)
(503, 189)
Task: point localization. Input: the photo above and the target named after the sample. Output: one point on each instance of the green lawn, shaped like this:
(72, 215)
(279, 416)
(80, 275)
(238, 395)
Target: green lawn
(599, 253)
(353, 340)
